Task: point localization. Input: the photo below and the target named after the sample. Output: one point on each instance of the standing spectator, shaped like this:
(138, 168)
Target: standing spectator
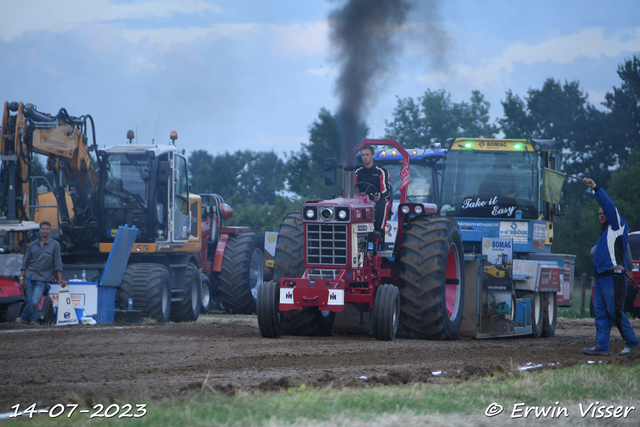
(611, 283)
(39, 264)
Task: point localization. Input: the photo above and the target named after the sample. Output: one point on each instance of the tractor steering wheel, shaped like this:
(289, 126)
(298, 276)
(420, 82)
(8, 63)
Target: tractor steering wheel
(366, 189)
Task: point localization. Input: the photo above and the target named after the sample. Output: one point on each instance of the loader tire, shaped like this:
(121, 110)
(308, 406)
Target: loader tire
(432, 278)
(242, 271)
(269, 318)
(550, 308)
(188, 309)
(289, 262)
(149, 286)
(386, 313)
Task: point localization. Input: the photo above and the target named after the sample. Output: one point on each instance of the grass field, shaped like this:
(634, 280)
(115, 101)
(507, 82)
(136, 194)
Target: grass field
(580, 395)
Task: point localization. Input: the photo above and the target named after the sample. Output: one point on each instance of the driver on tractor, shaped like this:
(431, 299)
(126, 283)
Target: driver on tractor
(375, 181)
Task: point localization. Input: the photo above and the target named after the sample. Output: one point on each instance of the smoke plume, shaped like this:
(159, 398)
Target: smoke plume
(366, 36)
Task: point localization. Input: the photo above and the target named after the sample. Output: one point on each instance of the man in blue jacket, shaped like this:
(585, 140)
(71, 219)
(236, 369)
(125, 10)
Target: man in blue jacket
(611, 283)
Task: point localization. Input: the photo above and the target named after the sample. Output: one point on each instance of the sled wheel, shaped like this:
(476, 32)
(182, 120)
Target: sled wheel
(188, 309)
(537, 314)
(432, 278)
(386, 313)
(149, 286)
(269, 320)
(550, 314)
(242, 270)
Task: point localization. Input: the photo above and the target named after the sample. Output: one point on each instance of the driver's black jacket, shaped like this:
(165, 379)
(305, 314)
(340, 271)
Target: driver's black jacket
(376, 176)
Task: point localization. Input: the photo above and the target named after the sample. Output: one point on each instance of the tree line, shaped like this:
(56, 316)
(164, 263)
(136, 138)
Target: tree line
(600, 143)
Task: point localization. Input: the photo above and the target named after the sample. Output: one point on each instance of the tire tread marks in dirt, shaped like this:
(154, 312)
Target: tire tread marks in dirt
(269, 319)
(289, 262)
(188, 309)
(149, 287)
(423, 264)
(235, 286)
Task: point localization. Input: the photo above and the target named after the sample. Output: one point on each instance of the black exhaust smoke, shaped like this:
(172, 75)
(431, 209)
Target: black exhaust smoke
(362, 34)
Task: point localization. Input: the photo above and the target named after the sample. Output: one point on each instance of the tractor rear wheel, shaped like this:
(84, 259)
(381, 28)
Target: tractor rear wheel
(207, 292)
(386, 313)
(242, 270)
(14, 310)
(432, 278)
(149, 286)
(550, 314)
(289, 262)
(269, 319)
(188, 309)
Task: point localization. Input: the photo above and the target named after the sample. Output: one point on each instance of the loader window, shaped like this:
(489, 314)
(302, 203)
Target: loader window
(181, 199)
(126, 192)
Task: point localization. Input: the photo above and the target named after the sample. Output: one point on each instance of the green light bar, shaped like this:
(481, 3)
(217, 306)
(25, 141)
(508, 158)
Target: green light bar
(517, 146)
(468, 145)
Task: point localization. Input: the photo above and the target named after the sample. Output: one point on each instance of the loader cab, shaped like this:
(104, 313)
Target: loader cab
(146, 186)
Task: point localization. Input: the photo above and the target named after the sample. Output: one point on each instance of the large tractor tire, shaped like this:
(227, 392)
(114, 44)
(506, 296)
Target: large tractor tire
(537, 314)
(386, 313)
(269, 318)
(550, 305)
(289, 262)
(188, 309)
(207, 293)
(242, 270)
(432, 278)
(149, 286)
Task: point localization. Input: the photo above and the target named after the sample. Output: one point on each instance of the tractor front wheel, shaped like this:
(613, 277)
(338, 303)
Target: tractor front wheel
(432, 278)
(149, 286)
(386, 313)
(269, 319)
(188, 309)
(242, 270)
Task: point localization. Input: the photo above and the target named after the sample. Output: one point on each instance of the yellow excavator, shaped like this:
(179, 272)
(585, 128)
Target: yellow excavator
(145, 186)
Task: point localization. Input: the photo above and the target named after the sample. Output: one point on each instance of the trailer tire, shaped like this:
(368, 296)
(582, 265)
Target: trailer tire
(289, 262)
(432, 278)
(189, 308)
(149, 286)
(207, 292)
(14, 310)
(269, 319)
(242, 270)
(550, 314)
(386, 313)
(537, 314)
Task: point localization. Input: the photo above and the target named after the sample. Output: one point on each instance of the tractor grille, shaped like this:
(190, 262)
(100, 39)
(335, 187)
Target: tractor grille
(326, 244)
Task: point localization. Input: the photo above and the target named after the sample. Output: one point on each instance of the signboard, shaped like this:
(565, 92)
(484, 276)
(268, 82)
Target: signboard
(516, 230)
(497, 314)
(539, 236)
(488, 206)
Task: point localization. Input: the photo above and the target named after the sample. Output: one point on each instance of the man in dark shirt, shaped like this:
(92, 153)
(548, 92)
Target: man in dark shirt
(38, 266)
(379, 185)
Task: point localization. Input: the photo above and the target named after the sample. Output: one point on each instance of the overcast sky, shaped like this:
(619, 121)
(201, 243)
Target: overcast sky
(253, 74)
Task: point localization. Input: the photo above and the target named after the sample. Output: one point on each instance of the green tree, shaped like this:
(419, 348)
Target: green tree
(435, 118)
(305, 168)
(625, 188)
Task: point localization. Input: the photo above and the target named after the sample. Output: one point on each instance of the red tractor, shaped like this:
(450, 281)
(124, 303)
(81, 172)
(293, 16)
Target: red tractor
(329, 256)
(231, 259)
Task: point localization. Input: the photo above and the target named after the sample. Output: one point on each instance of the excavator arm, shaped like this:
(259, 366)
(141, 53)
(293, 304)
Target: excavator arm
(62, 138)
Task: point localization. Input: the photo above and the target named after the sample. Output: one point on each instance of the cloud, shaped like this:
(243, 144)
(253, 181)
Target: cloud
(65, 15)
(590, 43)
(308, 38)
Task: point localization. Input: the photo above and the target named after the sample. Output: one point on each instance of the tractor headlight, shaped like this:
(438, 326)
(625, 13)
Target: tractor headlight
(636, 266)
(417, 209)
(342, 213)
(406, 209)
(310, 213)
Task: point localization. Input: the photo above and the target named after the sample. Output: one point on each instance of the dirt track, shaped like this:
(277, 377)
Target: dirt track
(49, 364)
